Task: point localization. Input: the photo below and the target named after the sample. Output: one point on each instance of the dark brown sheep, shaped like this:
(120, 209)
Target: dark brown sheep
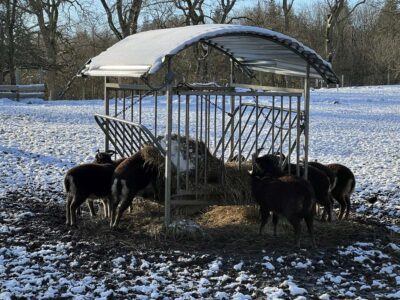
(83, 182)
(130, 177)
(269, 164)
(328, 172)
(289, 196)
(345, 184)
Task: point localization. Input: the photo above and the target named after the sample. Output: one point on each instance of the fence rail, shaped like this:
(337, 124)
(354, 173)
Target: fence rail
(22, 91)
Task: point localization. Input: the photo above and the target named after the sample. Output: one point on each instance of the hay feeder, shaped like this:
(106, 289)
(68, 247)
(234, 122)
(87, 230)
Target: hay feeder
(200, 128)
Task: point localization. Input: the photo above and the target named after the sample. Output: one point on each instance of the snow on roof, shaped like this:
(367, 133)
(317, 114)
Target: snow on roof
(253, 48)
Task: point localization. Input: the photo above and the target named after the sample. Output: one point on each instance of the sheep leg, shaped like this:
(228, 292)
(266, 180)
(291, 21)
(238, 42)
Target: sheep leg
(108, 208)
(264, 213)
(328, 205)
(310, 227)
(342, 203)
(124, 204)
(67, 205)
(105, 207)
(275, 219)
(120, 210)
(155, 190)
(76, 203)
(91, 208)
(347, 200)
(297, 230)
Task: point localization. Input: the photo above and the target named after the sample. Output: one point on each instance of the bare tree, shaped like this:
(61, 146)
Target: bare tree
(332, 19)
(127, 14)
(222, 11)
(47, 15)
(9, 37)
(2, 43)
(287, 8)
(193, 11)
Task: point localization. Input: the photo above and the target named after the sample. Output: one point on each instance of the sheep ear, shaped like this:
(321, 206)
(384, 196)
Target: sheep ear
(111, 152)
(98, 151)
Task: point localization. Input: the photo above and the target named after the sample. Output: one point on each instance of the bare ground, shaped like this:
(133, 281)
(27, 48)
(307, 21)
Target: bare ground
(227, 233)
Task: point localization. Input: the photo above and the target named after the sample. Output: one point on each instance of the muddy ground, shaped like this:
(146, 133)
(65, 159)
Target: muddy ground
(354, 258)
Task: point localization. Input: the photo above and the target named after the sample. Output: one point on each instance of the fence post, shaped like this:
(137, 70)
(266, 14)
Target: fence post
(17, 81)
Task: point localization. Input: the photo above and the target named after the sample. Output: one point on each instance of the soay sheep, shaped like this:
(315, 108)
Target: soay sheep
(290, 196)
(345, 184)
(129, 178)
(269, 163)
(87, 181)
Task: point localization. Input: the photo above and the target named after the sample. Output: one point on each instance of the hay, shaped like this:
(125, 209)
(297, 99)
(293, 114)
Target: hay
(237, 183)
(220, 216)
(225, 183)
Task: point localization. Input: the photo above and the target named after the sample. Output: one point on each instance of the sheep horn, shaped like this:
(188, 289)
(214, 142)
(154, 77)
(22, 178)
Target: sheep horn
(111, 152)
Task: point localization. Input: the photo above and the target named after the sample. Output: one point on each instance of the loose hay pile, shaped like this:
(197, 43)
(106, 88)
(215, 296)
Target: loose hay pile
(225, 183)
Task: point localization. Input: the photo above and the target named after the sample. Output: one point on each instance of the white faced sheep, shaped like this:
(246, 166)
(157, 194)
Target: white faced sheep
(129, 178)
(87, 181)
(290, 196)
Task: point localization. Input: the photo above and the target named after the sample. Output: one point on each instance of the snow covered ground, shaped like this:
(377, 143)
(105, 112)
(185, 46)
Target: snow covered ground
(40, 140)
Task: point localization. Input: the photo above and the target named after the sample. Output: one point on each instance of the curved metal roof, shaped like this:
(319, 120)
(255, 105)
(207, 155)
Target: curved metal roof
(252, 48)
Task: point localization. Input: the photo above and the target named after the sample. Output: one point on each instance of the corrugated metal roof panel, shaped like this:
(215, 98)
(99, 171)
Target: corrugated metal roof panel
(144, 53)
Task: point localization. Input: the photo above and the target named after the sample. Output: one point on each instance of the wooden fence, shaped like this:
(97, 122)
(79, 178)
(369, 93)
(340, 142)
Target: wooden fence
(22, 91)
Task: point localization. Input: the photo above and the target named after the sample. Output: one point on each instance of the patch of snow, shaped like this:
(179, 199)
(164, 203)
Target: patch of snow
(238, 266)
(324, 297)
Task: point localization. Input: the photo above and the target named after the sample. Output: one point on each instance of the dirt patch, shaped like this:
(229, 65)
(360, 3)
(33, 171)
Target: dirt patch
(36, 222)
(230, 229)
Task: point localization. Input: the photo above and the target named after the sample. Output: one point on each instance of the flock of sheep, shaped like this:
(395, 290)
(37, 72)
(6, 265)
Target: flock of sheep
(294, 197)
(117, 182)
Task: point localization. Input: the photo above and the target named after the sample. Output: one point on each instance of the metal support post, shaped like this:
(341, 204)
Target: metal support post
(306, 119)
(107, 112)
(167, 176)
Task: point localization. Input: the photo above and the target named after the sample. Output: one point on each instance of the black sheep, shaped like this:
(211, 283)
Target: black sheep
(290, 196)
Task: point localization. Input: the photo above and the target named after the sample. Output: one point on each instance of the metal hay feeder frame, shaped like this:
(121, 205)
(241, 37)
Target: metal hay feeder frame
(193, 118)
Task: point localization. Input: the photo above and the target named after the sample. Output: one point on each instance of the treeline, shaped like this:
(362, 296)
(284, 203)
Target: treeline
(51, 40)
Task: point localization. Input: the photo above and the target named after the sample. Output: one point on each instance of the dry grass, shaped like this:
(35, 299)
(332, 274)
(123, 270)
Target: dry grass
(220, 216)
(228, 228)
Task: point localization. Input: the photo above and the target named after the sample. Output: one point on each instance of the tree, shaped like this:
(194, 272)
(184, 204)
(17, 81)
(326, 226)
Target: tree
(127, 14)
(332, 19)
(47, 15)
(387, 41)
(196, 12)
(287, 8)
(7, 39)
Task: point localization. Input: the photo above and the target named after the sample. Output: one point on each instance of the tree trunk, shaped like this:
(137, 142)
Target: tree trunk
(10, 24)
(52, 88)
(2, 46)
(51, 74)
(287, 7)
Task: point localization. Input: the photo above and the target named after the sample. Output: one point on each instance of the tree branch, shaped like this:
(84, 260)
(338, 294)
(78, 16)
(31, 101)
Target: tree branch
(110, 20)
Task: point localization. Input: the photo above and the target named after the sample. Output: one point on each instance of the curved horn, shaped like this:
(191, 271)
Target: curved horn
(111, 152)
(258, 151)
